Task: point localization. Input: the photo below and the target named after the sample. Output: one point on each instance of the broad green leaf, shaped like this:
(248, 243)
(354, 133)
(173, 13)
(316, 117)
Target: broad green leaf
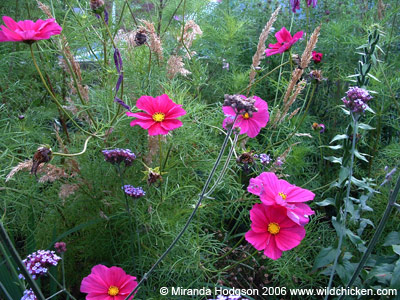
(325, 257)
(395, 282)
(339, 137)
(343, 174)
(365, 126)
(396, 249)
(360, 155)
(393, 238)
(326, 202)
(337, 160)
(373, 77)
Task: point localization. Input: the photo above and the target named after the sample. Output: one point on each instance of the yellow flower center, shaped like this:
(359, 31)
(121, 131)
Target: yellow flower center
(284, 196)
(273, 228)
(113, 290)
(246, 116)
(159, 117)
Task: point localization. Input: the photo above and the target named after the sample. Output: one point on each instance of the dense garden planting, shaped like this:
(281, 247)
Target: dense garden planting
(181, 149)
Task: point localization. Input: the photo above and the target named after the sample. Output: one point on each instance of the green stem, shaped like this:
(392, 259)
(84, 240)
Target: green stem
(346, 200)
(189, 220)
(54, 97)
(60, 286)
(74, 154)
(128, 211)
(377, 234)
(279, 80)
(18, 261)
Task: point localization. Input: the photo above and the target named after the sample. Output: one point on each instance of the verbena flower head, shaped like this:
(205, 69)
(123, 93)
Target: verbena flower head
(160, 114)
(265, 159)
(29, 295)
(38, 262)
(356, 99)
(28, 31)
(273, 231)
(133, 191)
(285, 42)
(60, 247)
(274, 191)
(108, 284)
(253, 113)
(117, 156)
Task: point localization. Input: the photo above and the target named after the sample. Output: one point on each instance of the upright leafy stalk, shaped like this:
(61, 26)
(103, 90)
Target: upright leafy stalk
(189, 220)
(346, 199)
(5, 239)
(377, 234)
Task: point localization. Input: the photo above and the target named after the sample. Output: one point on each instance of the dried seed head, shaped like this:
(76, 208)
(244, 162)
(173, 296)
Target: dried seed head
(246, 158)
(241, 104)
(42, 155)
(97, 6)
(316, 76)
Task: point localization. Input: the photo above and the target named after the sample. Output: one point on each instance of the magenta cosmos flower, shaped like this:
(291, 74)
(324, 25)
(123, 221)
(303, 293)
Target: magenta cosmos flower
(274, 191)
(160, 114)
(28, 31)
(272, 230)
(250, 124)
(108, 284)
(285, 41)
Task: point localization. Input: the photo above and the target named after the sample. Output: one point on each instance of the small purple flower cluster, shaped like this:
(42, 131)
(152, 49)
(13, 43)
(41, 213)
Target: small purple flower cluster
(29, 295)
(133, 191)
(38, 262)
(60, 247)
(356, 99)
(232, 297)
(265, 159)
(117, 156)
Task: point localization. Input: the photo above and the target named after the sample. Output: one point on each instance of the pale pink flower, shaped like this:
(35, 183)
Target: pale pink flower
(285, 42)
(250, 124)
(28, 31)
(108, 284)
(272, 230)
(274, 191)
(160, 114)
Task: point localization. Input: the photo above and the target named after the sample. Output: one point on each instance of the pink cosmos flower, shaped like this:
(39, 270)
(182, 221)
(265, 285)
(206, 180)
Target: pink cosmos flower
(108, 284)
(274, 191)
(317, 57)
(248, 124)
(272, 230)
(28, 31)
(285, 42)
(160, 114)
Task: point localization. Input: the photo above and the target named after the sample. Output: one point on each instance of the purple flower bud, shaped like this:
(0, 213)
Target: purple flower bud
(60, 247)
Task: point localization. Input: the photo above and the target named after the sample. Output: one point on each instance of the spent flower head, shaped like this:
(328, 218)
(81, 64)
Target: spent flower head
(38, 262)
(117, 156)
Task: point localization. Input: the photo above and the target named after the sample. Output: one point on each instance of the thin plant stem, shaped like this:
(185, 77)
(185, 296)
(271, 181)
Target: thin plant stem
(55, 294)
(170, 20)
(60, 286)
(320, 151)
(346, 199)
(63, 270)
(130, 10)
(74, 154)
(128, 210)
(377, 234)
(224, 168)
(189, 220)
(279, 79)
(261, 78)
(18, 261)
(53, 96)
(160, 150)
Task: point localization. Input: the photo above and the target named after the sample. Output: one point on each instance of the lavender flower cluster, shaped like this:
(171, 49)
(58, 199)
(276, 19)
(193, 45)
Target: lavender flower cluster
(38, 262)
(133, 191)
(29, 295)
(356, 99)
(117, 156)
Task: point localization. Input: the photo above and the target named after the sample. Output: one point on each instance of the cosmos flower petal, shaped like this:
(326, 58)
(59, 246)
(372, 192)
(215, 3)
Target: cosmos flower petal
(145, 124)
(171, 124)
(271, 250)
(98, 282)
(157, 129)
(147, 104)
(283, 35)
(258, 240)
(288, 239)
(297, 194)
(228, 111)
(175, 112)
(28, 30)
